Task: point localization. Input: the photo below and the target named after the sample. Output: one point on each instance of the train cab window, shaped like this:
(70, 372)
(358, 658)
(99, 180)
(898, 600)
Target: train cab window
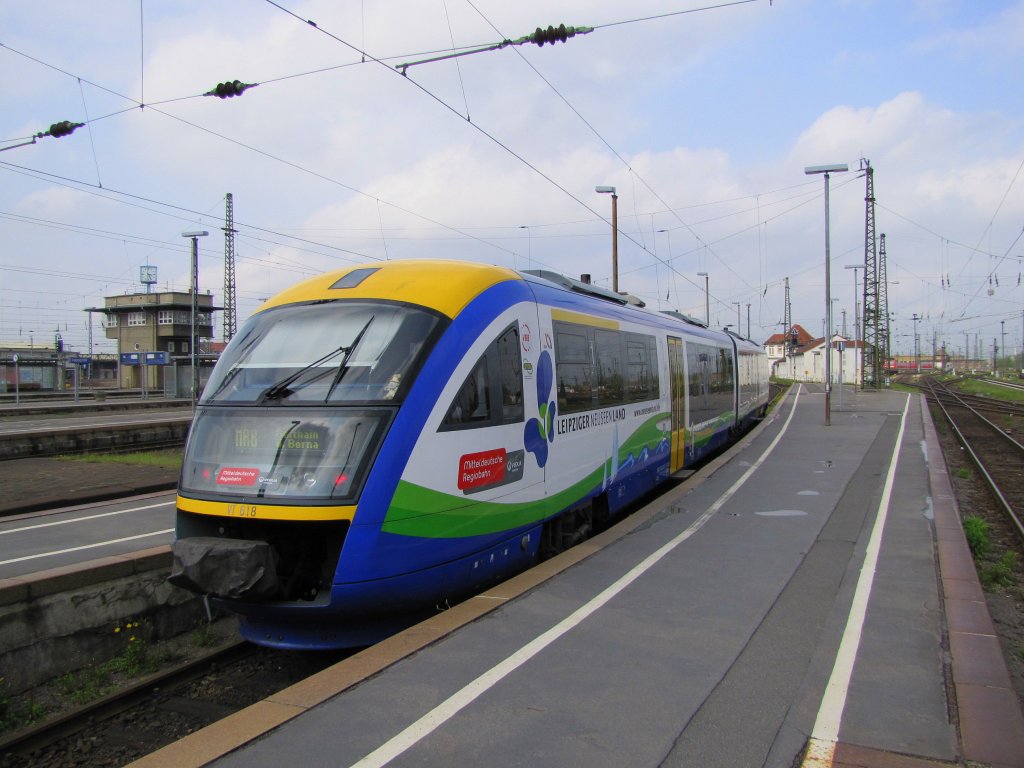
(492, 393)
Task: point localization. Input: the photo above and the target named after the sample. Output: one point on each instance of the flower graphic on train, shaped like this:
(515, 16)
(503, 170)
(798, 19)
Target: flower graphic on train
(540, 432)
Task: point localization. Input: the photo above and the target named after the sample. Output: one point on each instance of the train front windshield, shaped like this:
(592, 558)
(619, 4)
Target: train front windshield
(300, 399)
(332, 352)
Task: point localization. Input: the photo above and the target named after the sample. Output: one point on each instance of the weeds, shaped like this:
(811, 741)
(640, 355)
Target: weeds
(14, 716)
(136, 659)
(1000, 573)
(976, 531)
(964, 473)
(204, 636)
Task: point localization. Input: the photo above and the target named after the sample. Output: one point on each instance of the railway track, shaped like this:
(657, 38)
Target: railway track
(162, 708)
(998, 456)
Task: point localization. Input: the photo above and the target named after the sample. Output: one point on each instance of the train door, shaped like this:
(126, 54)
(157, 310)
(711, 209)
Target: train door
(677, 401)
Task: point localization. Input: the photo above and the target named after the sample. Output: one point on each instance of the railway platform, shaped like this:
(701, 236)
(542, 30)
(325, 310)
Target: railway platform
(806, 599)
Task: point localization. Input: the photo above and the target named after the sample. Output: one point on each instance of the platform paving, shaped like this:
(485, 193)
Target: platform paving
(709, 629)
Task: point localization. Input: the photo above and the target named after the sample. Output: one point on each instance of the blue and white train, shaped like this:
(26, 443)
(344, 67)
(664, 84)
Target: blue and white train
(380, 442)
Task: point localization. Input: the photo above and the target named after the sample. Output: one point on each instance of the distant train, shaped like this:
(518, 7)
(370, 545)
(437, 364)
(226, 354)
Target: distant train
(378, 443)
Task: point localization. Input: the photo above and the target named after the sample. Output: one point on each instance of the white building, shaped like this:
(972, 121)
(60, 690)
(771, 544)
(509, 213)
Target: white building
(798, 356)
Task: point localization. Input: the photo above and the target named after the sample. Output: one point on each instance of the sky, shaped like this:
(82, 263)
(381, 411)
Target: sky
(703, 116)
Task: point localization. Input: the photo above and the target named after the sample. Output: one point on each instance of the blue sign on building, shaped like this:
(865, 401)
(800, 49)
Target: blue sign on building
(157, 358)
(129, 358)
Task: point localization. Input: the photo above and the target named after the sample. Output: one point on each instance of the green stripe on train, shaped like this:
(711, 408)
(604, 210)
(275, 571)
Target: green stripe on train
(424, 512)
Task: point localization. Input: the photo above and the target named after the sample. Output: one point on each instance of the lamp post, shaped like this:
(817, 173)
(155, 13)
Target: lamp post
(615, 233)
(1002, 342)
(739, 328)
(194, 236)
(748, 319)
(707, 299)
(827, 170)
(917, 362)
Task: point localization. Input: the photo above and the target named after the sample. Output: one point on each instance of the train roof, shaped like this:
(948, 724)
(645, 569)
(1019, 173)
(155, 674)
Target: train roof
(448, 286)
(444, 286)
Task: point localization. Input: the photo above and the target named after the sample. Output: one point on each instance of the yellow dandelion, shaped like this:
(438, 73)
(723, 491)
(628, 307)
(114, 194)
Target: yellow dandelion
(116, 630)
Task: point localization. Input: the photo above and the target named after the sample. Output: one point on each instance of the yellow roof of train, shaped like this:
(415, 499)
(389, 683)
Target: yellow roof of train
(444, 286)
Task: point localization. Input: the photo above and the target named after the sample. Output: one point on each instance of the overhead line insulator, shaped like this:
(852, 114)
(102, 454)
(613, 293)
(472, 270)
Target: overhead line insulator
(553, 35)
(230, 89)
(57, 130)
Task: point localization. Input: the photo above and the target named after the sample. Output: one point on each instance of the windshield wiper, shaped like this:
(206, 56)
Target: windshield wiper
(342, 366)
(280, 389)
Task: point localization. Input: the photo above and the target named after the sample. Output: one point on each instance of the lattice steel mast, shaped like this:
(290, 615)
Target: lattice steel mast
(230, 312)
(871, 369)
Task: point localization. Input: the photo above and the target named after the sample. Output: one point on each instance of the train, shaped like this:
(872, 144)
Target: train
(379, 442)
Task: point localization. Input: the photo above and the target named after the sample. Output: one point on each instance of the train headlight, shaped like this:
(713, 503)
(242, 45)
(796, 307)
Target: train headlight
(309, 479)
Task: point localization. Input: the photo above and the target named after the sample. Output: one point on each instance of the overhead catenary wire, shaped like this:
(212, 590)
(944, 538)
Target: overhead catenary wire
(313, 24)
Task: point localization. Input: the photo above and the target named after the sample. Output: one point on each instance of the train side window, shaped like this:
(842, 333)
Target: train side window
(609, 367)
(641, 368)
(496, 379)
(574, 368)
(510, 375)
(472, 405)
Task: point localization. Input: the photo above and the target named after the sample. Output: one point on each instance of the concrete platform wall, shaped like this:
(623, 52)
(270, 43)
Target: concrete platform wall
(63, 620)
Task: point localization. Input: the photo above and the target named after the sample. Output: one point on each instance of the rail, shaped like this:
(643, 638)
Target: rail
(996, 454)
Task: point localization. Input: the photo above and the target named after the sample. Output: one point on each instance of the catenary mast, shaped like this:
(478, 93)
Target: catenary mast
(230, 312)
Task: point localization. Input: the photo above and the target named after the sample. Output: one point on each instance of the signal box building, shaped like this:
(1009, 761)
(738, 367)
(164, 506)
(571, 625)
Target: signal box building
(147, 323)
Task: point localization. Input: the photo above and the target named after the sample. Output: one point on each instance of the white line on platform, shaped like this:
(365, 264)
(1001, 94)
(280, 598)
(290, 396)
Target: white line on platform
(87, 517)
(821, 748)
(447, 709)
(84, 546)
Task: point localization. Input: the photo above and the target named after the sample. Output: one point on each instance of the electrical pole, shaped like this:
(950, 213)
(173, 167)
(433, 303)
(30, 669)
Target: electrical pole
(870, 377)
(230, 307)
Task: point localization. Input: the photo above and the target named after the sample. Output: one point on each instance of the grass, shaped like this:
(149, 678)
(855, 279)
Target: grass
(976, 387)
(169, 459)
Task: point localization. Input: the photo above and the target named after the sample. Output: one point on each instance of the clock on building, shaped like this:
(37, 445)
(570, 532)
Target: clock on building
(147, 275)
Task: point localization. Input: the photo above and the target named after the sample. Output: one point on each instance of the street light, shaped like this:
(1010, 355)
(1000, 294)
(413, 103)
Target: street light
(615, 233)
(707, 299)
(739, 328)
(827, 170)
(194, 236)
